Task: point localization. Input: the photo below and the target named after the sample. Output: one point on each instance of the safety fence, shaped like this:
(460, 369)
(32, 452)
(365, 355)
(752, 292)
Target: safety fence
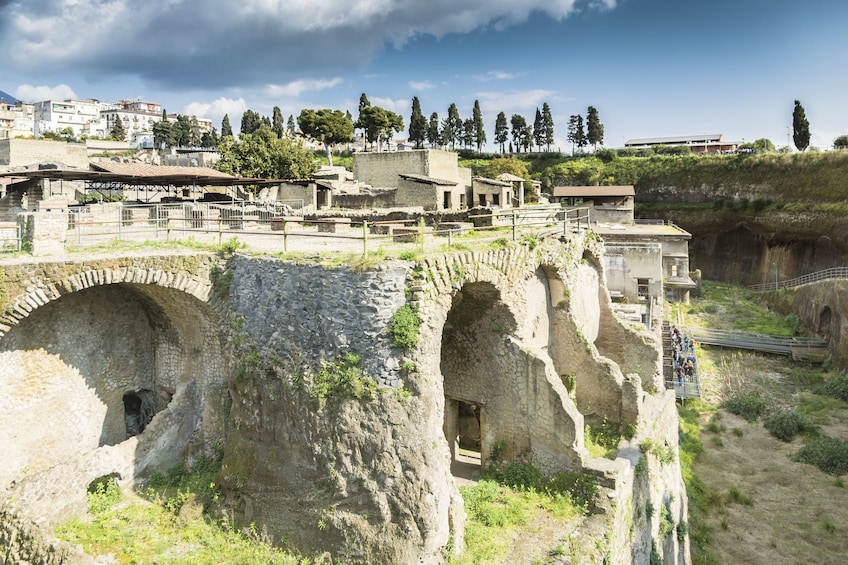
(253, 224)
(832, 273)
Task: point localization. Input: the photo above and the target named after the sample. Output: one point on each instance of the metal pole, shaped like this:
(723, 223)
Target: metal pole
(285, 236)
(365, 238)
(513, 225)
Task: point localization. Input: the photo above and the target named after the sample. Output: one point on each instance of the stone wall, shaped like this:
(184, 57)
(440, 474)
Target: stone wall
(822, 307)
(21, 153)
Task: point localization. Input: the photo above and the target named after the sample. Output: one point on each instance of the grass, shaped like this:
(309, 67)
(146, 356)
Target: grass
(167, 524)
(508, 499)
(752, 482)
(602, 440)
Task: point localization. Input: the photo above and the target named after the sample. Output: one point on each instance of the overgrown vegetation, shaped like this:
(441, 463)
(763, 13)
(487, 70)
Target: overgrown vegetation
(507, 497)
(602, 440)
(404, 327)
(749, 405)
(829, 454)
(786, 424)
(342, 379)
(176, 519)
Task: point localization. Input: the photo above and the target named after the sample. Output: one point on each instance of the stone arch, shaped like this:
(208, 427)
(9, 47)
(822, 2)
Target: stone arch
(496, 370)
(49, 290)
(125, 364)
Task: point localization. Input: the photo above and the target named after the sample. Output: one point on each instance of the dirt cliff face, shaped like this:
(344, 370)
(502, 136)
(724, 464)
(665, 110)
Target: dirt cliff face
(752, 247)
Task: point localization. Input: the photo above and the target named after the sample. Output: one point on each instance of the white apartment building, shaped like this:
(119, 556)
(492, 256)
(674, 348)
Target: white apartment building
(82, 116)
(16, 120)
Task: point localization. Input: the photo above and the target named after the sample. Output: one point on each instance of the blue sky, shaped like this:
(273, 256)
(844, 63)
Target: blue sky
(651, 67)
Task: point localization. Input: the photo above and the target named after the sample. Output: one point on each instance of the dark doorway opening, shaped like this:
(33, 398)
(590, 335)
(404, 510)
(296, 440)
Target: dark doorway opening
(139, 409)
(464, 432)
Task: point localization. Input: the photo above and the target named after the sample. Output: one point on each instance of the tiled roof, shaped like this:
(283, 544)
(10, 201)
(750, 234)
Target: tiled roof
(581, 191)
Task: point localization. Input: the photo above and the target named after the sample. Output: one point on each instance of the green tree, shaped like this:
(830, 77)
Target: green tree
(362, 119)
(327, 126)
(210, 139)
(800, 127)
(511, 165)
(575, 132)
(501, 130)
(290, 125)
(182, 131)
(117, 132)
(433, 136)
(250, 121)
(226, 128)
(538, 129)
(469, 137)
(527, 137)
(841, 142)
(479, 128)
(195, 133)
(548, 123)
(417, 124)
(594, 128)
(452, 129)
(163, 134)
(264, 155)
(277, 121)
(519, 130)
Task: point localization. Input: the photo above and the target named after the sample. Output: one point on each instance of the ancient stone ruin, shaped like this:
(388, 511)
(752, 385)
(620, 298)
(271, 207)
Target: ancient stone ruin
(127, 366)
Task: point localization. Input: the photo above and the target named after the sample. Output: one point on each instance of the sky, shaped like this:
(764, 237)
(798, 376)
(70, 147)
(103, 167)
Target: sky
(652, 68)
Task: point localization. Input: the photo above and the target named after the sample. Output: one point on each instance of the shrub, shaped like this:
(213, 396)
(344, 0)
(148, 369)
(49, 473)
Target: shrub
(404, 326)
(343, 378)
(103, 493)
(749, 405)
(786, 425)
(829, 454)
(836, 388)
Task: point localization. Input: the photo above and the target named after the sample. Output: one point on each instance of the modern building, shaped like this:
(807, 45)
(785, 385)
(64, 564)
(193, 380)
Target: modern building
(704, 143)
(645, 260)
(81, 116)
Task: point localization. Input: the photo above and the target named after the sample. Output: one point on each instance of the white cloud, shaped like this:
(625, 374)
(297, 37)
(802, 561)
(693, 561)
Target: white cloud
(423, 85)
(216, 109)
(496, 75)
(513, 101)
(401, 107)
(298, 87)
(30, 93)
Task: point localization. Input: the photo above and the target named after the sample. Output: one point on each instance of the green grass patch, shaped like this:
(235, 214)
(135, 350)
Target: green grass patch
(404, 327)
(602, 440)
(343, 379)
(167, 524)
(505, 501)
(836, 387)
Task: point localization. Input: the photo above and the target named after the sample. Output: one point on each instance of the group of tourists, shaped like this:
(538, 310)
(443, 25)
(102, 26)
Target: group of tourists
(682, 356)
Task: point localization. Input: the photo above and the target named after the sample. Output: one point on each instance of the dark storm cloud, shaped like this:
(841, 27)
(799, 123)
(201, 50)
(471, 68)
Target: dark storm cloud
(214, 43)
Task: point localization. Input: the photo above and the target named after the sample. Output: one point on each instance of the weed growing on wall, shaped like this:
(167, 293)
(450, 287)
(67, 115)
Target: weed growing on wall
(404, 327)
(343, 378)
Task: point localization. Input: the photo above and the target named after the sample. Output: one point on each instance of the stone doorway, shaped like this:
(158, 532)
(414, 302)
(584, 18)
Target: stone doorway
(463, 429)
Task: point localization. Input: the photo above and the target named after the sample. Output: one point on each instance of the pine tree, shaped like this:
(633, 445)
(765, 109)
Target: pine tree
(594, 128)
(479, 129)
(501, 131)
(519, 129)
(277, 121)
(548, 121)
(226, 128)
(117, 132)
(417, 124)
(800, 127)
(290, 125)
(453, 127)
(250, 121)
(433, 137)
(575, 132)
(538, 129)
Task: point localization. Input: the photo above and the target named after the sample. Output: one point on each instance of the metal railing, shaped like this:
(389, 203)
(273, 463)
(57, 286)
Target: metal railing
(93, 225)
(832, 273)
(759, 342)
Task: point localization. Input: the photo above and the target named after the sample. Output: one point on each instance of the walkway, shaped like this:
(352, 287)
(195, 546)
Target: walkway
(686, 384)
(799, 348)
(833, 273)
